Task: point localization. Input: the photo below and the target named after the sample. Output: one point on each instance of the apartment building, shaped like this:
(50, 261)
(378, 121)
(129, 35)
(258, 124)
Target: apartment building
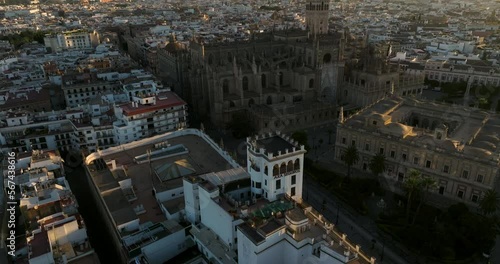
(74, 39)
(148, 115)
(55, 231)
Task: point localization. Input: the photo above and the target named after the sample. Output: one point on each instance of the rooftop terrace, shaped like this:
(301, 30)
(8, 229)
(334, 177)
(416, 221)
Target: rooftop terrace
(200, 158)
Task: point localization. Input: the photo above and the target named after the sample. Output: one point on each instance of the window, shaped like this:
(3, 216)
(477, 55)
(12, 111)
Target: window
(374, 122)
(293, 179)
(292, 191)
(479, 178)
(415, 160)
(401, 177)
(258, 185)
(393, 153)
(343, 140)
(353, 142)
(381, 150)
(446, 169)
(367, 147)
(474, 198)
(404, 157)
(265, 182)
(460, 194)
(441, 190)
(465, 174)
(278, 184)
(428, 164)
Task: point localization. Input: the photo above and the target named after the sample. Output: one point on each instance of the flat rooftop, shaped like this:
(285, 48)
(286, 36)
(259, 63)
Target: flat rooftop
(163, 101)
(274, 144)
(201, 157)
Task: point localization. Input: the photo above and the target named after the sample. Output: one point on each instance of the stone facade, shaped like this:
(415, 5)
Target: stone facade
(280, 79)
(456, 146)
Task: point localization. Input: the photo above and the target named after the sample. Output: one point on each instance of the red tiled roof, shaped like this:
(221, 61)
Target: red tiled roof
(172, 99)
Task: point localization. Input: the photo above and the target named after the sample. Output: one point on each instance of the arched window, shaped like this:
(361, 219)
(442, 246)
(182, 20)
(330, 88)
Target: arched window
(244, 83)
(276, 170)
(283, 168)
(434, 124)
(327, 58)
(265, 170)
(225, 86)
(264, 81)
(311, 83)
(289, 166)
(425, 123)
(296, 165)
(269, 100)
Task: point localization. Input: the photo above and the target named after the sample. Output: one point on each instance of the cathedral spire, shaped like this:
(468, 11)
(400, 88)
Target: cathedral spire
(341, 115)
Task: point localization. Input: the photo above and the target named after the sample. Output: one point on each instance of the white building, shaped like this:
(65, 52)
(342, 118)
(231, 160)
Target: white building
(258, 216)
(149, 114)
(275, 167)
(75, 39)
(56, 232)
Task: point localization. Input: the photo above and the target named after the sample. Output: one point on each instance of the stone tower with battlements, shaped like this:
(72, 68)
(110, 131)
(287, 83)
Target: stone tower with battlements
(317, 16)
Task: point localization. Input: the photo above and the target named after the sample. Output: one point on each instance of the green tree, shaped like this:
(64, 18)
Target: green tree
(240, 125)
(377, 164)
(412, 185)
(351, 157)
(426, 184)
(301, 138)
(490, 202)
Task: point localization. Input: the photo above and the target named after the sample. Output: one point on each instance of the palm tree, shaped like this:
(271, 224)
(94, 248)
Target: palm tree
(412, 184)
(377, 164)
(351, 157)
(426, 184)
(490, 202)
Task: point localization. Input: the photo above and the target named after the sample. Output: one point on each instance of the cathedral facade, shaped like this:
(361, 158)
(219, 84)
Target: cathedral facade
(279, 80)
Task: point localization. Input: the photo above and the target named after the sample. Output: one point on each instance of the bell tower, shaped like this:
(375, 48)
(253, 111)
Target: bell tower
(317, 16)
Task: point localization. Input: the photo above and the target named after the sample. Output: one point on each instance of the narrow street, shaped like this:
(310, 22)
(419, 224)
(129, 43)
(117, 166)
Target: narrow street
(359, 229)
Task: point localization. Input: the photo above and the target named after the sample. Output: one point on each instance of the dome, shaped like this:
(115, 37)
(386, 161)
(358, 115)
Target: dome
(446, 145)
(379, 117)
(173, 47)
(397, 129)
